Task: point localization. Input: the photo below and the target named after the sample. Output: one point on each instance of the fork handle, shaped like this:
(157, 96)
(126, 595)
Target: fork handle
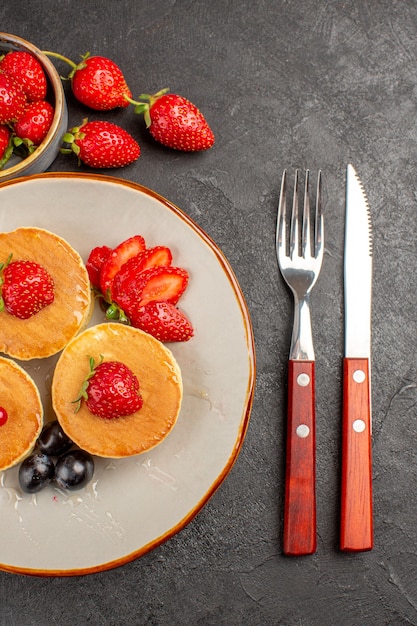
(356, 532)
(300, 477)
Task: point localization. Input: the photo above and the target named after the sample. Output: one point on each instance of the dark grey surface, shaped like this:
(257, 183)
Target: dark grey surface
(283, 84)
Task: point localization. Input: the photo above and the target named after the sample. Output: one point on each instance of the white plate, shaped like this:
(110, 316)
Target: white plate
(133, 505)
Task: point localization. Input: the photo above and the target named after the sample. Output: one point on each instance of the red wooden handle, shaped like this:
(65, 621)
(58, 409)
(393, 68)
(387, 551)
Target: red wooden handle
(356, 531)
(300, 478)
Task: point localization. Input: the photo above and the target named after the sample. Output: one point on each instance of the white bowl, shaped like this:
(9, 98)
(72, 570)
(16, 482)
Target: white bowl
(48, 150)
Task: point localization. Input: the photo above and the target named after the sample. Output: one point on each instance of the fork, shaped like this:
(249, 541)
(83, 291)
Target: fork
(300, 253)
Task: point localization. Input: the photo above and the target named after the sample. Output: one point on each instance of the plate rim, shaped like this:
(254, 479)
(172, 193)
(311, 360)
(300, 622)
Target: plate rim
(250, 389)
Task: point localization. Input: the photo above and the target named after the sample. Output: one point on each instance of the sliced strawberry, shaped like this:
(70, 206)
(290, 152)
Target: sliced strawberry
(121, 254)
(95, 262)
(159, 255)
(162, 320)
(165, 284)
(124, 281)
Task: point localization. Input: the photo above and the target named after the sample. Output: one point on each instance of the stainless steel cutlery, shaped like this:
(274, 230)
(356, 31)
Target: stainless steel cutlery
(300, 253)
(356, 530)
(299, 246)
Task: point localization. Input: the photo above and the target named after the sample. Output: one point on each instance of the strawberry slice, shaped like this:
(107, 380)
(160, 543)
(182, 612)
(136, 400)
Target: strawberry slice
(156, 283)
(124, 281)
(120, 255)
(95, 262)
(165, 284)
(162, 320)
(159, 255)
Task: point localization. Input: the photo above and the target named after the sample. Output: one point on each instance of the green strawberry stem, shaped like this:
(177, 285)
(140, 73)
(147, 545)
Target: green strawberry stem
(18, 142)
(70, 138)
(7, 153)
(114, 312)
(73, 65)
(82, 394)
(146, 104)
(2, 266)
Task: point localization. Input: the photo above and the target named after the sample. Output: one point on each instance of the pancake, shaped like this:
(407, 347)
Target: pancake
(49, 330)
(19, 396)
(160, 387)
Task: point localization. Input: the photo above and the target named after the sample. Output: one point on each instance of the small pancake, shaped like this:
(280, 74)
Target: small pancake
(160, 387)
(49, 330)
(19, 396)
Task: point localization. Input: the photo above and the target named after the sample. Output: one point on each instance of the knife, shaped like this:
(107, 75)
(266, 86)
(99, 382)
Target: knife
(356, 528)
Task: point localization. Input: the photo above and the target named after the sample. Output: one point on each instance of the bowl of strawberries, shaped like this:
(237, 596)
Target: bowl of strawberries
(33, 109)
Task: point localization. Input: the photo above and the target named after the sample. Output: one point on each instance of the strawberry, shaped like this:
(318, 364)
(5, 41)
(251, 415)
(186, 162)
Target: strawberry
(156, 283)
(97, 82)
(12, 100)
(6, 145)
(165, 284)
(100, 84)
(4, 139)
(35, 122)
(141, 287)
(101, 144)
(95, 262)
(162, 320)
(151, 257)
(175, 122)
(110, 390)
(26, 286)
(27, 71)
(114, 261)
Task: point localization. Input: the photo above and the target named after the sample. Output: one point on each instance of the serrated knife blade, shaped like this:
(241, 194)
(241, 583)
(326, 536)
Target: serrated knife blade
(356, 531)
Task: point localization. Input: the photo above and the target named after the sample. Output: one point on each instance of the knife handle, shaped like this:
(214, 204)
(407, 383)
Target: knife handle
(300, 477)
(356, 532)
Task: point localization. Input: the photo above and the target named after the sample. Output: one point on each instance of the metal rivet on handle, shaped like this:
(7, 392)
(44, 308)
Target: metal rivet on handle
(303, 380)
(359, 376)
(302, 431)
(358, 426)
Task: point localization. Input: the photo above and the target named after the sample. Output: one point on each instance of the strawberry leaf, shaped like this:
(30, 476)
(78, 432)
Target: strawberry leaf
(83, 393)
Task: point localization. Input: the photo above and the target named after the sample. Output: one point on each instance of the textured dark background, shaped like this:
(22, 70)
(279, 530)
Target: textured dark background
(313, 83)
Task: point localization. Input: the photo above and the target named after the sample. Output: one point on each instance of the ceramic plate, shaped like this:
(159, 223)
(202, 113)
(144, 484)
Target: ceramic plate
(133, 505)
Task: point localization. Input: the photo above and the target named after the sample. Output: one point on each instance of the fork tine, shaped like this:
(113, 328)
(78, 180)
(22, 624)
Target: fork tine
(282, 220)
(294, 234)
(305, 239)
(318, 221)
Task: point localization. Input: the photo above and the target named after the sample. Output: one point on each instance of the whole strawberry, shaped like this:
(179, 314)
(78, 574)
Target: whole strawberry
(26, 288)
(35, 122)
(175, 122)
(101, 144)
(162, 320)
(110, 390)
(27, 71)
(12, 100)
(97, 82)
(6, 146)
